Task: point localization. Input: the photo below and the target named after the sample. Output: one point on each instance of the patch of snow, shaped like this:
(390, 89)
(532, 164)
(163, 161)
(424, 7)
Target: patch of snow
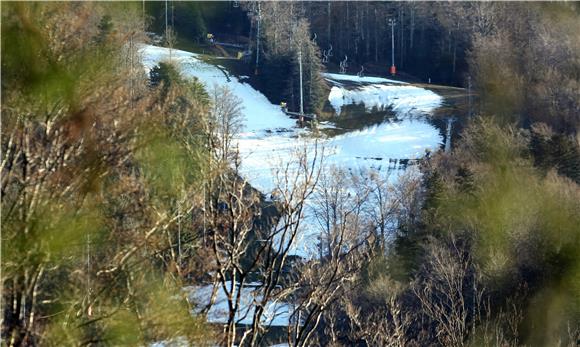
(404, 139)
(326, 125)
(403, 100)
(355, 78)
(275, 313)
(179, 341)
(408, 138)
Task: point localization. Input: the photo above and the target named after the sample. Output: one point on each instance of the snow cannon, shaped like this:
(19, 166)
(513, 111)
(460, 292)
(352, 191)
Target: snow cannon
(393, 70)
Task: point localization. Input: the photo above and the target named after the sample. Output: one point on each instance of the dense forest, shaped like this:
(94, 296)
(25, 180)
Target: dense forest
(126, 214)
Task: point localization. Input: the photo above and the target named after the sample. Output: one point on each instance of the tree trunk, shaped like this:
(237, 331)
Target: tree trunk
(412, 28)
(401, 37)
(376, 38)
(368, 32)
(347, 24)
(356, 31)
(454, 55)
(328, 21)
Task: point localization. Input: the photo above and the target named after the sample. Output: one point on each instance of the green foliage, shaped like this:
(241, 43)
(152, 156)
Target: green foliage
(163, 163)
(555, 151)
(166, 75)
(434, 190)
(28, 65)
(185, 17)
(522, 223)
(105, 27)
(408, 248)
(273, 77)
(465, 180)
(192, 20)
(314, 87)
(188, 20)
(408, 245)
(96, 170)
(526, 67)
(525, 226)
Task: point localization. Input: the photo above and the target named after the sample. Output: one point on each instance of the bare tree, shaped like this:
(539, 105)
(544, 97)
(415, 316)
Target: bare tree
(337, 207)
(388, 321)
(242, 251)
(225, 122)
(448, 290)
(340, 208)
(350, 208)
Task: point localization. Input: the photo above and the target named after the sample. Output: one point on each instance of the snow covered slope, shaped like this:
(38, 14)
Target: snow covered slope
(270, 138)
(260, 114)
(403, 99)
(407, 138)
(332, 77)
(380, 93)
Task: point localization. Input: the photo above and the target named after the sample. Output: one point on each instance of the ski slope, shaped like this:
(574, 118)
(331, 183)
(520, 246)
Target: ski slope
(334, 77)
(260, 114)
(403, 99)
(269, 139)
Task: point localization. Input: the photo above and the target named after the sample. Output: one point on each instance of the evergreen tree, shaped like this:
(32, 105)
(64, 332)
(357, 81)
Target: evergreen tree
(164, 74)
(565, 156)
(105, 26)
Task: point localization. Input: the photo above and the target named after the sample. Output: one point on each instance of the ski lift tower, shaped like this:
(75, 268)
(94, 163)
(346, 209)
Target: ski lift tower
(393, 68)
(301, 116)
(301, 93)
